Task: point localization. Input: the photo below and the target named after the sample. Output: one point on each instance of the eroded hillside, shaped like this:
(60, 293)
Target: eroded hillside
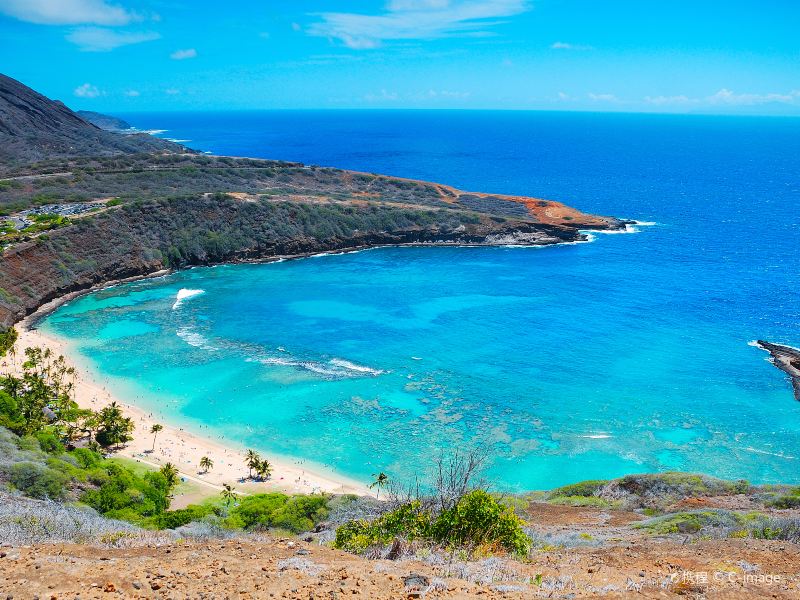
(171, 211)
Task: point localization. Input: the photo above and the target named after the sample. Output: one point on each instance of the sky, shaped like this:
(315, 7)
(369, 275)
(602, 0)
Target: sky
(698, 56)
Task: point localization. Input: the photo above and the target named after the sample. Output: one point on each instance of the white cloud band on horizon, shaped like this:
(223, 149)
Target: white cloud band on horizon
(67, 12)
(416, 20)
(99, 39)
(726, 97)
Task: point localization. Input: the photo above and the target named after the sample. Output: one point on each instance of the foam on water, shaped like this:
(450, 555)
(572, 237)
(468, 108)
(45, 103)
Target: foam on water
(183, 294)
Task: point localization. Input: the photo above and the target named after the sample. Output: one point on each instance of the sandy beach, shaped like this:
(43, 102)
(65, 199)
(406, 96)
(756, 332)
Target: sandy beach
(182, 448)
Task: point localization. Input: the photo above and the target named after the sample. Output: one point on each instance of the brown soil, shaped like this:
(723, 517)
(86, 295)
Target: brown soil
(632, 566)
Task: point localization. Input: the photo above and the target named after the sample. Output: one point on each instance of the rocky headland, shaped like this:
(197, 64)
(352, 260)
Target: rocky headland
(156, 205)
(787, 359)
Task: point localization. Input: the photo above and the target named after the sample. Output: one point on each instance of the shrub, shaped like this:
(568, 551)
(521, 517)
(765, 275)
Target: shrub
(86, 459)
(583, 488)
(125, 495)
(661, 489)
(38, 481)
(49, 442)
(295, 513)
(480, 520)
(476, 520)
(172, 519)
(702, 520)
(778, 529)
(785, 501)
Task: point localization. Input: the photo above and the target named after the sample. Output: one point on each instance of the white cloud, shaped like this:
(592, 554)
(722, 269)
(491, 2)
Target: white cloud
(183, 54)
(726, 97)
(384, 96)
(67, 12)
(564, 96)
(98, 39)
(425, 96)
(602, 97)
(172, 92)
(132, 93)
(87, 90)
(568, 46)
(667, 100)
(416, 20)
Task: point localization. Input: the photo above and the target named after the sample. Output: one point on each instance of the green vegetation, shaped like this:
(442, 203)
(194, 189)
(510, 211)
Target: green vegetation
(787, 500)
(584, 493)
(700, 520)
(206, 464)
(146, 176)
(476, 521)
(40, 467)
(9, 234)
(381, 479)
(155, 429)
(7, 340)
(275, 510)
(583, 488)
(255, 464)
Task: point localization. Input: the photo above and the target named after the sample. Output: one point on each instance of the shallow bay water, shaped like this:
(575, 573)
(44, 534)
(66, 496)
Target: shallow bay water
(626, 354)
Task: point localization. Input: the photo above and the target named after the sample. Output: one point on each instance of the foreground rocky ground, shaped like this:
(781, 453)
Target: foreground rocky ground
(606, 557)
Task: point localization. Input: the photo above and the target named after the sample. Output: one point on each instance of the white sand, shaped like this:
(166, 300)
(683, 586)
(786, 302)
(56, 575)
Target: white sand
(182, 448)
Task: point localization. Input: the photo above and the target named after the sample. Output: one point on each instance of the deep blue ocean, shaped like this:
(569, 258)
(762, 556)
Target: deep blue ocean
(626, 354)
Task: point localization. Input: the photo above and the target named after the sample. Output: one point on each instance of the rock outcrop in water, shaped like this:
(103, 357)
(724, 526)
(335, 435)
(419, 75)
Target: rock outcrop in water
(787, 359)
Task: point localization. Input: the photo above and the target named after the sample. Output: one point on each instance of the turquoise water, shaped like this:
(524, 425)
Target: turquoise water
(627, 354)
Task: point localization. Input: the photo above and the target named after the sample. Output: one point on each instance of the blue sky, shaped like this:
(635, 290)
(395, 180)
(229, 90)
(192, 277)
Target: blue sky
(700, 56)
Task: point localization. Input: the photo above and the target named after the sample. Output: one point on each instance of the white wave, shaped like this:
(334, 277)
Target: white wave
(336, 368)
(177, 141)
(346, 364)
(154, 131)
(183, 294)
(597, 436)
(778, 454)
(194, 338)
(629, 228)
(416, 358)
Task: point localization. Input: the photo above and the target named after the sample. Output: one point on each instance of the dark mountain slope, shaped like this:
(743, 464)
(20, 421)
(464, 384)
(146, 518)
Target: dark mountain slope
(34, 128)
(102, 121)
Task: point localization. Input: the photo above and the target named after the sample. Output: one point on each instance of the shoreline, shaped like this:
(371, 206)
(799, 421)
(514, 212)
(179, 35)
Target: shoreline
(180, 446)
(31, 319)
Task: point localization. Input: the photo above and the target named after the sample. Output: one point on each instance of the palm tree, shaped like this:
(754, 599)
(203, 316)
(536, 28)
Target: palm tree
(170, 473)
(154, 430)
(251, 459)
(263, 469)
(206, 464)
(115, 428)
(228, 493)
(381, 479)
